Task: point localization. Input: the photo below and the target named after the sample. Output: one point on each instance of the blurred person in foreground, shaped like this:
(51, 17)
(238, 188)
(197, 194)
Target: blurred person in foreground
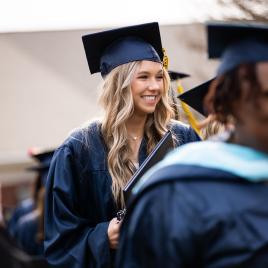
(90, 169)
(204, 205)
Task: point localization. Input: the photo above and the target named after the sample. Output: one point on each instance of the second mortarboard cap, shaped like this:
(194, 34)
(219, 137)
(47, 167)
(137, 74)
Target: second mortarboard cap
(177, 75)
(109, 49)
(43, 158)
(237, 43)
(195, 96)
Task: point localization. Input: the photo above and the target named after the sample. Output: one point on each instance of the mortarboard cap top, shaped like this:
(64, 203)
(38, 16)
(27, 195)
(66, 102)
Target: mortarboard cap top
(195, 96)
(177, 75)
(109, 49)
(237, 43)
(43, 157)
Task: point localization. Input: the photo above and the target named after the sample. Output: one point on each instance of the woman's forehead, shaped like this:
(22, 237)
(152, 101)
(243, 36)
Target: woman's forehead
(146, 66)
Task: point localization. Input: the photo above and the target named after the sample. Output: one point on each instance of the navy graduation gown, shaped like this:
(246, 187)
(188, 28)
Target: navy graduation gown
(25, 207)
(79, 201)
(26, 234)
(196, 216)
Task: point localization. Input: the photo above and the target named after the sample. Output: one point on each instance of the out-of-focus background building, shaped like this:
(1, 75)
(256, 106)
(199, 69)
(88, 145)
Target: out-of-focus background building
(46, 88)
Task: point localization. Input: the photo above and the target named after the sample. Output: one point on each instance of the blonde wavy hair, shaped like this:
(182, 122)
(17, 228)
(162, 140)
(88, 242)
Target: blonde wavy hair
(116, 99)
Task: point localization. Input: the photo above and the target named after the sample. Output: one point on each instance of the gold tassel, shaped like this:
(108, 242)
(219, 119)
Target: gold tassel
(192, 121)
(165, 59)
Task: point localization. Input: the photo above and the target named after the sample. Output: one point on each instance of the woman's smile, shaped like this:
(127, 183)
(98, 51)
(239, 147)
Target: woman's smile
(150, 99)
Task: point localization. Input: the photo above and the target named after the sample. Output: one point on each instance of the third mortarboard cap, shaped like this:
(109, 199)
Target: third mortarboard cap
(177, 75)
(109, 49)
(195, 96)
(237, 43)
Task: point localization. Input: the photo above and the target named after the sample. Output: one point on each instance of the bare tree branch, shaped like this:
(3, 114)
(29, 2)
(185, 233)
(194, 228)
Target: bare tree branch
(252, 9)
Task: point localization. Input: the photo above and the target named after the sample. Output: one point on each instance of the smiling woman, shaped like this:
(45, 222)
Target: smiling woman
(90, 169)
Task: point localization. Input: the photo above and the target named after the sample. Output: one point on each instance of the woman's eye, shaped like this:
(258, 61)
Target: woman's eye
(159, 77)
(143, 77)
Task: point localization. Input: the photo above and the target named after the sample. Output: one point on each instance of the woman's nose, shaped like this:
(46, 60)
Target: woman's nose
(153, 85)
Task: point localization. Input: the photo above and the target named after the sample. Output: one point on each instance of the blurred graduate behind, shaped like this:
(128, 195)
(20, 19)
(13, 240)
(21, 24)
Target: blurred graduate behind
(209, 128)
(88, 172)
(204, 205)
(29, 204)
(175, 79)
(29, 232)
(11, 255)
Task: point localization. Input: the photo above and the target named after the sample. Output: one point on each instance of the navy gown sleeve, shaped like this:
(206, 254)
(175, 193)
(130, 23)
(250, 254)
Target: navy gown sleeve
(165, 248)
(72, 238)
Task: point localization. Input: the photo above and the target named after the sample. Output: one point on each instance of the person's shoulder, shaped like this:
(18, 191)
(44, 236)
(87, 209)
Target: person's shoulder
(29, 220)
(82, 144)
(84, 133)
(27, 203)
(183, 132)
(166, 198)
(177, 126)
(24, 207)
(82, 137)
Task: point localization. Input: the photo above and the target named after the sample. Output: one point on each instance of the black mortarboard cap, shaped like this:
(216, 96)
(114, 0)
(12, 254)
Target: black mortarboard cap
(109, 49)
(237, 43)
(195, 96)
(43, 162)
(44, 159)
(177, 75)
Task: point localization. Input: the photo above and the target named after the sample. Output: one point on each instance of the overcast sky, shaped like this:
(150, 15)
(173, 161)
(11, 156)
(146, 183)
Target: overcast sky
(42, 15)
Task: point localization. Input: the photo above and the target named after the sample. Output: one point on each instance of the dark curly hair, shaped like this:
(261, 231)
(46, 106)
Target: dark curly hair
(225, 91)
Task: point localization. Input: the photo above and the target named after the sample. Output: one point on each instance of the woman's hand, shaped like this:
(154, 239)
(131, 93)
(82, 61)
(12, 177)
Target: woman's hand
(113, 233)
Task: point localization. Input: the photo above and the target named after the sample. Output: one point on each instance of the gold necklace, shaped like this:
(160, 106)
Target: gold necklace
(135, 138)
